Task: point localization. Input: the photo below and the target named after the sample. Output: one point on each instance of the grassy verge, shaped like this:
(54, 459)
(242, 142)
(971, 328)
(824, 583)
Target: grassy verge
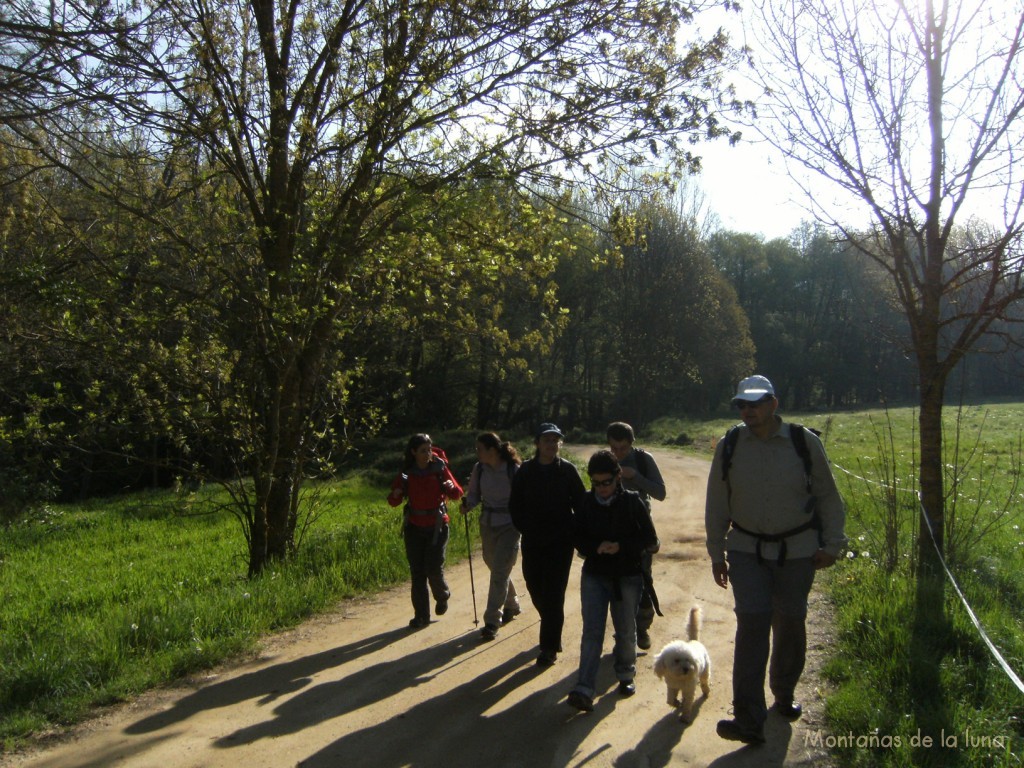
(106, 599)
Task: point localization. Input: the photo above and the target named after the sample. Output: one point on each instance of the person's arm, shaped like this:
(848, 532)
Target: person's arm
(450, 486)
(517, 502)
(647, 477)
(649, 535)
(641, 536)
(830, 505)
(577, 490)
(582, 539)
(472, 497)
(716, 518)
(397, 493)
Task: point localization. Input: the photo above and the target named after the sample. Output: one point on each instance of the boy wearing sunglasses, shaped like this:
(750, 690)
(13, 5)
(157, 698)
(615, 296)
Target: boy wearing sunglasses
(611, 532)
(771, 520)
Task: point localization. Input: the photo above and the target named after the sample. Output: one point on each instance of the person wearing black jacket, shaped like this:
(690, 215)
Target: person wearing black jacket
(546, 491)
(612, 532)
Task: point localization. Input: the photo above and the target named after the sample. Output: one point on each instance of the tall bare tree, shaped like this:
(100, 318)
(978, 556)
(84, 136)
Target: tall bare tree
(912, 112)
(335, 122)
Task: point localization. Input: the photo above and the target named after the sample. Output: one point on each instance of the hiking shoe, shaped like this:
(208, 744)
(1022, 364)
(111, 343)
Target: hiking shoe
(489, 632)
(788, 709)
(547, 658)
(509, 614)
(627, 688)
(643, 639)
(733, 731)
(442, 607)
(581, 701)
(418, 622)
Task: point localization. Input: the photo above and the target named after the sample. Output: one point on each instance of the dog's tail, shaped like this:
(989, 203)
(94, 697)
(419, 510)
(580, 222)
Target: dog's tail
(693, 626)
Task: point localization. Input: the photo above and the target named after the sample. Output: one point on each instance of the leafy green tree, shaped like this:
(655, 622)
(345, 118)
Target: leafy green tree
(327, 127)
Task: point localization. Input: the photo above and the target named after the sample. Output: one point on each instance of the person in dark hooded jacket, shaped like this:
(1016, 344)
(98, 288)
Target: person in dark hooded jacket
(612, 532)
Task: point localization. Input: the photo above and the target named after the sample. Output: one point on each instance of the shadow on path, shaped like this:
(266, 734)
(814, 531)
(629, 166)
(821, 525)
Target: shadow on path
(271, 682)
(459, 728)
(363, 688)
(771, 755)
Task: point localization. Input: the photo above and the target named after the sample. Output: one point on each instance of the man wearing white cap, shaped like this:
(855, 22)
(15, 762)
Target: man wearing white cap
(773, 517)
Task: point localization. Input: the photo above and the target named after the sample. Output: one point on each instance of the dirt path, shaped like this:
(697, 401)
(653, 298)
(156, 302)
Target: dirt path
(356, 688)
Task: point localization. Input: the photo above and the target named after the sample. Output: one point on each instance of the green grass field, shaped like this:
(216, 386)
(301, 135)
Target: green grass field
(106, 599)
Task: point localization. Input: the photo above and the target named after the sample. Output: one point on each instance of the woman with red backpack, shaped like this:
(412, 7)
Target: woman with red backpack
(426, 484)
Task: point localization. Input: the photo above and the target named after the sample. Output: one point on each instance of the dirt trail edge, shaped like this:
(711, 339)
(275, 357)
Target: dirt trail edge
(357, 688)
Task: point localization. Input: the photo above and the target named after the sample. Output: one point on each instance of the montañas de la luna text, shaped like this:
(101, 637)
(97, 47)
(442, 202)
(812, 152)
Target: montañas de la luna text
(919, 740)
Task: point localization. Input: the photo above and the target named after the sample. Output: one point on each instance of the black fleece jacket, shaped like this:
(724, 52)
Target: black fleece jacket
(625, 521)
(543, 499)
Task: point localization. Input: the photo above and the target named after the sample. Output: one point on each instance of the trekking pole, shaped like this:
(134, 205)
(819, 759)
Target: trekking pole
(472, 583)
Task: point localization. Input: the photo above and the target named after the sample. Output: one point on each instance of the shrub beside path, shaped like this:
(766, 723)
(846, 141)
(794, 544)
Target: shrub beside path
(358, 688)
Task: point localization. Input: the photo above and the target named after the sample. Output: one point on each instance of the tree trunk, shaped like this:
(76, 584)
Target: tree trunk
(931, 479)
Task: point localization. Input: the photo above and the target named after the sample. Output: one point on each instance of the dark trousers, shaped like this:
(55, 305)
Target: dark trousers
(425, 550)
(546, 571)
(771, 615)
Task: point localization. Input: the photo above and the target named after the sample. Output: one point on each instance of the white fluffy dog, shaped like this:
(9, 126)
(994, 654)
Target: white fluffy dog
(681, 664)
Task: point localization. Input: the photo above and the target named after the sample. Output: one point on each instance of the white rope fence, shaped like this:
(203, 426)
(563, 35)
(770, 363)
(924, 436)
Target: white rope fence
(974, 619)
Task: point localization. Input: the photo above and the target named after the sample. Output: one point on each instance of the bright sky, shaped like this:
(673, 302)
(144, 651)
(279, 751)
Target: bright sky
(748, 188)
(746, 185)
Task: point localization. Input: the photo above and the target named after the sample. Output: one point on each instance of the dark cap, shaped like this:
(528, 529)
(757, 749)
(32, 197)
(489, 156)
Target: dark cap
(547, 428)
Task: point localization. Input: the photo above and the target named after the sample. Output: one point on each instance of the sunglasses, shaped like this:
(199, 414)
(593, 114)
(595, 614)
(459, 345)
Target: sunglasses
(603, 483)
(743, 404)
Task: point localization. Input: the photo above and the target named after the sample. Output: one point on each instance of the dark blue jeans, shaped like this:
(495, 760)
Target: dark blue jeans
(771, 612)
(425, 552)
(598, 598)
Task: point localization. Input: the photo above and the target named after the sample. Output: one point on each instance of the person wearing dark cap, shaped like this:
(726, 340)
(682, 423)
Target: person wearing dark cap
(611, 532)
(546, 492)
(773, 517)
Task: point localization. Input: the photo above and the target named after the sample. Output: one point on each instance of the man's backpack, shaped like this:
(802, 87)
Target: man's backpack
(799, 438)
(796, 434)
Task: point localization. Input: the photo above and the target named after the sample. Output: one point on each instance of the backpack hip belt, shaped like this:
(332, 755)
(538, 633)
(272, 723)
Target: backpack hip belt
(773, 538)
(437, 512)
(489, 513)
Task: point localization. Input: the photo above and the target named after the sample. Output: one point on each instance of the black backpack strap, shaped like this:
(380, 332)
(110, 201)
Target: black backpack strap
(728, 449)
(799, 438)
(643, 462)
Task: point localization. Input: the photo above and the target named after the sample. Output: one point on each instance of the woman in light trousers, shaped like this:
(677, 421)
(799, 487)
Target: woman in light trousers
(489, 486)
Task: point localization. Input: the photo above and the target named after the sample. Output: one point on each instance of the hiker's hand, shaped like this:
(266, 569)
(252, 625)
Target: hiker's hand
(396, 493)
(721, 573)
(448, 486)
(822, 559)
(628, 473)
(463, 508)
(607, 547)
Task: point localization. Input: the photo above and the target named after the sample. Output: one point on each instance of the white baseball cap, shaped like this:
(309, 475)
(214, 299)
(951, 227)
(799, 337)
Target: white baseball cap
(754, 388)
